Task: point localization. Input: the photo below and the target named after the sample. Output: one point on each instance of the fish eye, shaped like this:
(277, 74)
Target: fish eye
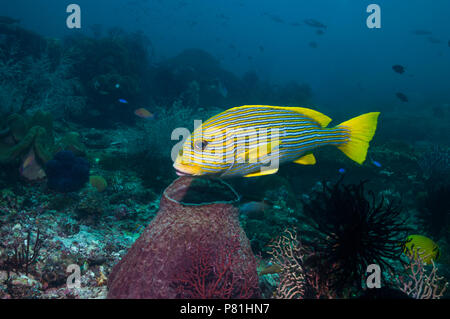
(200, 145)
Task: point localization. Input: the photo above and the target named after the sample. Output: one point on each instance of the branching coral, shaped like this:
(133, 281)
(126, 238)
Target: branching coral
(353, 232)
(287, 252)
(298, 279)
(22, 256)
(420, 282)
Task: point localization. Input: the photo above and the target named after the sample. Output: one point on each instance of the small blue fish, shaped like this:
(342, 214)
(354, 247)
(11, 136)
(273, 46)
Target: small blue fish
(377, 164)
(117, 85)
(341, 170)
(123, 101)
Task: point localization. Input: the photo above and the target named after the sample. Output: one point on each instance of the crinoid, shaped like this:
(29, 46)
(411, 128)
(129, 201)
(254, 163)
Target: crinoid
(353, 231)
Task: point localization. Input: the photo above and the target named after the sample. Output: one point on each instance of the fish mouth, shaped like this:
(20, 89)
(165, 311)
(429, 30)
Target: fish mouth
(180, 173)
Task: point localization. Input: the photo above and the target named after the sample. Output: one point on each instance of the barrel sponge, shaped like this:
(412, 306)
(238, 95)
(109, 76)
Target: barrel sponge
(67, 172)
(164, 260)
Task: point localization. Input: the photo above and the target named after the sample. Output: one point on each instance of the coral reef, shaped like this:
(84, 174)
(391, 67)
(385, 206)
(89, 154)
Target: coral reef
(75, 97)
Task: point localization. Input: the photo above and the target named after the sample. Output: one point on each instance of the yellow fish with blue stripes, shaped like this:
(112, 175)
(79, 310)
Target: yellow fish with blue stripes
(254, 140)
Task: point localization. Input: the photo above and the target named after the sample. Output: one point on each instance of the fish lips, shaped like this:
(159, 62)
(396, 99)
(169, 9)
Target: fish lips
(180, 173)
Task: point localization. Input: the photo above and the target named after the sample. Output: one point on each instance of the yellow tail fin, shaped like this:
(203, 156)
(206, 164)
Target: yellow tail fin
(362, 129)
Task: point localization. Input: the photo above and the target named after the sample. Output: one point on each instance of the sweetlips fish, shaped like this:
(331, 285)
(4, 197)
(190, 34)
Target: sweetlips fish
(253, 140)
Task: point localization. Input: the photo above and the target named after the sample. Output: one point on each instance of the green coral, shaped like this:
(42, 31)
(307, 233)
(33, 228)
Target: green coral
(20, 134)
(72, 142)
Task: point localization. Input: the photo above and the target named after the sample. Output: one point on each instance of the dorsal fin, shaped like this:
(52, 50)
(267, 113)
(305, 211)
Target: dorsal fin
(320, 118)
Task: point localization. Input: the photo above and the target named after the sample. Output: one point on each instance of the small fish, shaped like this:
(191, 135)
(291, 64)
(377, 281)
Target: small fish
(423, 247)
(252, 208)
(433, 40)
(270, 269)
(377, 164)
(320, 32)
(242, 140)
(222, 16)
(402, 97)
(313, 44)
(123, 101)
(276, 18)
(314, 23)
(398, 68)
(341, 171)
(421, 32)
(138, 228)
(117, 85)
(144, 113)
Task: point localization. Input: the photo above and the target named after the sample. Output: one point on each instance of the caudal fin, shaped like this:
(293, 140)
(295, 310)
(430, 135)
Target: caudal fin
(362, 129)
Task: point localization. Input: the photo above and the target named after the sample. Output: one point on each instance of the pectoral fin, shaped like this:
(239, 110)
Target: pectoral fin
(308, 159)
(256, 153)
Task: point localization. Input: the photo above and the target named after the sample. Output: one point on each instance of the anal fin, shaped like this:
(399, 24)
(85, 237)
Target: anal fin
(308, 159)
(262, 173)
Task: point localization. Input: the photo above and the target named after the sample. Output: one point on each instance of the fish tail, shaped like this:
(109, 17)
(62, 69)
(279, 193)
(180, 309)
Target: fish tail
(362, 129)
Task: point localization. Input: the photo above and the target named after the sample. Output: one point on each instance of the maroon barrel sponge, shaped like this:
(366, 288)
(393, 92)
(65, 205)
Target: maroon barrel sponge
(191, 249)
